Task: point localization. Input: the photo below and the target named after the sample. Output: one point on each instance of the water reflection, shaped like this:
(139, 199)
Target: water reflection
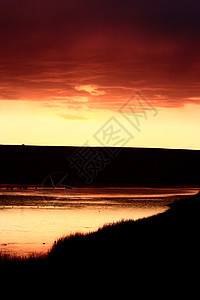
(32, 220)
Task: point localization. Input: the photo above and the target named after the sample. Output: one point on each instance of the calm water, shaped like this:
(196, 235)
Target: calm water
(31, 220)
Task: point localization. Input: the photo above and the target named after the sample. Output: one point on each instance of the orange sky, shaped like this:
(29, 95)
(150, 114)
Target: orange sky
(67, 67)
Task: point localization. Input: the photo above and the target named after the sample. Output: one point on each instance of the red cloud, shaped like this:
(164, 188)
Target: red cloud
(108, 49)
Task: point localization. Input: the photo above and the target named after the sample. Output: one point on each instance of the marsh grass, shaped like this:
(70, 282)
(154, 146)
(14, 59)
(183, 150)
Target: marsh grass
(172, 236)
(32, 259)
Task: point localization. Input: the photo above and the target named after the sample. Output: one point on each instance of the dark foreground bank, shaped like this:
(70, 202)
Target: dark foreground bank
(170, 237)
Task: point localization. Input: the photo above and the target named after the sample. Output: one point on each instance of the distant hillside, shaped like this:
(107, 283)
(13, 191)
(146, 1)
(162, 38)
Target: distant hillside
(88, 166)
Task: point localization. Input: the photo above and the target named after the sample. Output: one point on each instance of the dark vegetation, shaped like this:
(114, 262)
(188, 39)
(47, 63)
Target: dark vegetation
(114, 167)
(170, 238)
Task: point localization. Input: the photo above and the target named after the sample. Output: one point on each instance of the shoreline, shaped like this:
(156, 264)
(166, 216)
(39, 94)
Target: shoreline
(158, 236)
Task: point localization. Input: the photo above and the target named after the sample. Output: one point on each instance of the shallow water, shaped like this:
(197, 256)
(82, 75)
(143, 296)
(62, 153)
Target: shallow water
(31, 220)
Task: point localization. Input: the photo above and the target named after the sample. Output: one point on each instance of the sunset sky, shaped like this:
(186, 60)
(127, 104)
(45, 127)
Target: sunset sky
(100, 72)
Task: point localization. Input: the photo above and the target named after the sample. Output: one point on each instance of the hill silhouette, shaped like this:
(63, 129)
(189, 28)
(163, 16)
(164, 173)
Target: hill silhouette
(93, 166)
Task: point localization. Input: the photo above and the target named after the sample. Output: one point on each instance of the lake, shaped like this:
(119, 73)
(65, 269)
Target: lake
(32, 219)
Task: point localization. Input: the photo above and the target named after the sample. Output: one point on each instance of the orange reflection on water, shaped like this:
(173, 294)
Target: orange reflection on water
(27, 230)
(31, 224)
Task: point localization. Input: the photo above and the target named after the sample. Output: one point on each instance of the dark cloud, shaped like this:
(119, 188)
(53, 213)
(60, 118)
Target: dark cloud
(50, 46)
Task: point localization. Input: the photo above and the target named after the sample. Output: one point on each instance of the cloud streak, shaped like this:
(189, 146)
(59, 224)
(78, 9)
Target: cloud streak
(91, 89)
(100, 52)
(72, 117)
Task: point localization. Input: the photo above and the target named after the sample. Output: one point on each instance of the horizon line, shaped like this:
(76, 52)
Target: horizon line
(76, 146)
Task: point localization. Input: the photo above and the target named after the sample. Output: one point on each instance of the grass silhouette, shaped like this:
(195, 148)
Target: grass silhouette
(171, 236)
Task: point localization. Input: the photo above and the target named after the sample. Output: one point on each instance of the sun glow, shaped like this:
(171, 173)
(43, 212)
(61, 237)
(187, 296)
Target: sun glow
(33, 123)
(72, 75)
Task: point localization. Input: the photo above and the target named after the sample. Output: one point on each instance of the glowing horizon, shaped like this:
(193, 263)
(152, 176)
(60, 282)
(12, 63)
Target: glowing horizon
(66, 68)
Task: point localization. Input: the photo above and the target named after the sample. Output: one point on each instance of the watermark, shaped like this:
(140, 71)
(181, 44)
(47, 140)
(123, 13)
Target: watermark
(111, 137)
(56, 183)
(137, 110)
(88, 161)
